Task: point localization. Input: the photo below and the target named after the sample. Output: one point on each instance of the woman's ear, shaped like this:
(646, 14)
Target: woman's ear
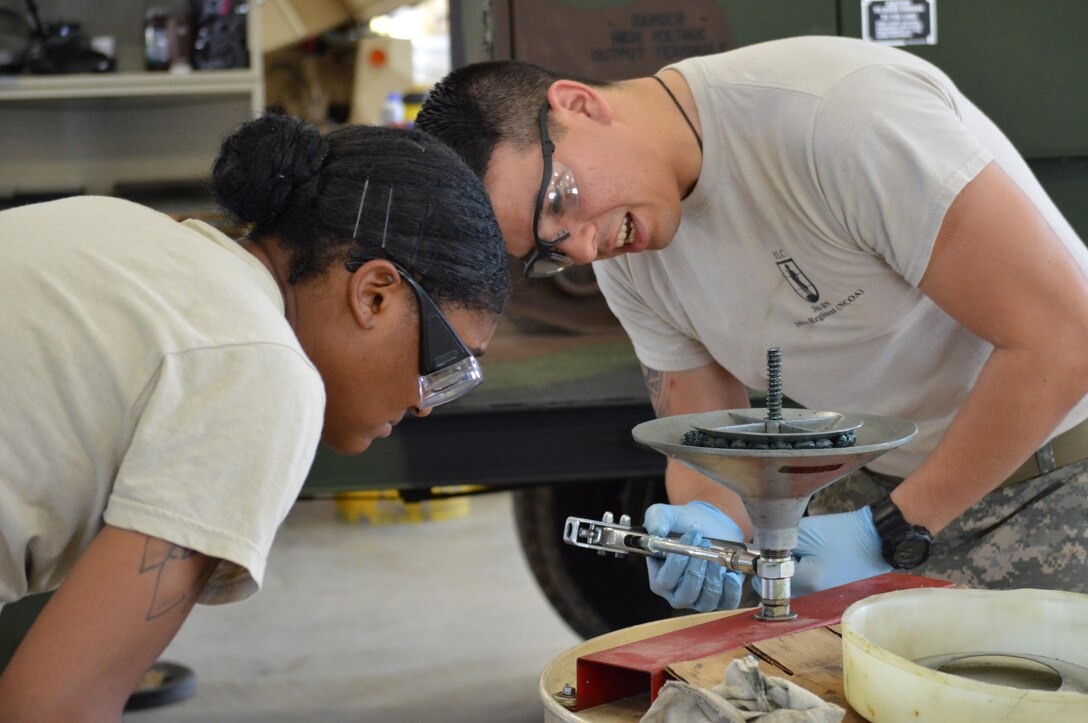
(369, 291)
(570, 99)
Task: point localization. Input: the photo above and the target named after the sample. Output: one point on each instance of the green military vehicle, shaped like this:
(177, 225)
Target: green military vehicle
(563, 388)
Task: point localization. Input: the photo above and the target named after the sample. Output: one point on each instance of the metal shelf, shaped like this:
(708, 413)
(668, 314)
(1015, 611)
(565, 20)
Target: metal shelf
(124, 85)
(91, 132)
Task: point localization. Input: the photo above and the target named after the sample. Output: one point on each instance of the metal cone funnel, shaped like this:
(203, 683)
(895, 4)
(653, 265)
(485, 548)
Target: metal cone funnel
(775, 484)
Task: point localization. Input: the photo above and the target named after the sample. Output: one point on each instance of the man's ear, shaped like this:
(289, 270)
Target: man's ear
(570, 99)
(369, 291)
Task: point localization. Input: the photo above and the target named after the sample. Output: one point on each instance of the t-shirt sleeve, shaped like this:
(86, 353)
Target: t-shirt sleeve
(660, 333)
(224, 442)
(891, 153)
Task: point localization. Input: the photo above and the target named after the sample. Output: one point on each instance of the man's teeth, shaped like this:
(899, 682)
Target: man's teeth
(626, 232)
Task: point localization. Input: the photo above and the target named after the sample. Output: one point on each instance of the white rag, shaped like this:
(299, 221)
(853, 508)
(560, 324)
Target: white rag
(744, 696)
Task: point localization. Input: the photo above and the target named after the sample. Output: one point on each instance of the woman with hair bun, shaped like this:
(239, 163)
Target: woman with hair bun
(165, 387)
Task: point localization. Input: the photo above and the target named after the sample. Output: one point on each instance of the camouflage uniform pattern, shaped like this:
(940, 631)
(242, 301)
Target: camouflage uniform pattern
(1030, 534)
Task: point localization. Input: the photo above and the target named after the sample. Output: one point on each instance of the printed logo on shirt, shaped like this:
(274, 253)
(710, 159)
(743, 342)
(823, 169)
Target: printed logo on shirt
(826, 309)
(803, 286)
(800, 283)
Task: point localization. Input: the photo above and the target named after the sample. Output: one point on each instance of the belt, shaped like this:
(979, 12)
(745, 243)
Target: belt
(1068, 447)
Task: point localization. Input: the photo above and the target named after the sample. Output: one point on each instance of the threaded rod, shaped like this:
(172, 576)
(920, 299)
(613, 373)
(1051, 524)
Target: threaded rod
(774, 385)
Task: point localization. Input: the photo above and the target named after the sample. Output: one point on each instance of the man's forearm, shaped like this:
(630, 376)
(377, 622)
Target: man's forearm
(1018, 400)
(686, 485)
(705, 389)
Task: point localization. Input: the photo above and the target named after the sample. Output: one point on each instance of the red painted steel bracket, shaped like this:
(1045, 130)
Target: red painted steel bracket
(634, 668)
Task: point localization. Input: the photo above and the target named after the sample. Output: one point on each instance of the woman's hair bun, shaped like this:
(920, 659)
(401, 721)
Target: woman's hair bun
(266, 165)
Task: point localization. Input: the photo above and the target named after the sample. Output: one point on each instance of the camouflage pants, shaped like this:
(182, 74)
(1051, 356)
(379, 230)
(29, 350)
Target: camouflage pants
(1031, 534)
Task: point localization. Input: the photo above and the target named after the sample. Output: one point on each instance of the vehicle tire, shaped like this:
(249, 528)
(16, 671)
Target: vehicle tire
(594, 594)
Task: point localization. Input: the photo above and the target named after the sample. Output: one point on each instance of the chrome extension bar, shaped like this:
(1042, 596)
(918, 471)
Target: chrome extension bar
(607, 536)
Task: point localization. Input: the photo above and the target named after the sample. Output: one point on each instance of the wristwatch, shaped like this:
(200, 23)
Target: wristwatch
(903, 545)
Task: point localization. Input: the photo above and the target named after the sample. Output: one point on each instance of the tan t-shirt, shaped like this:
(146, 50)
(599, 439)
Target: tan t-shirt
(150, 381)
(828, 166)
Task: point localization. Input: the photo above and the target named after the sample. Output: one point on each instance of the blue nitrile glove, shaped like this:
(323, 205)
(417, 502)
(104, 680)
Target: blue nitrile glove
(834, 550)
(685, 581)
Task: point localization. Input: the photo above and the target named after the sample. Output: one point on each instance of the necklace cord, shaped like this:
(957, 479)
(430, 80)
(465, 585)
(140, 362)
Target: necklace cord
(680, 108)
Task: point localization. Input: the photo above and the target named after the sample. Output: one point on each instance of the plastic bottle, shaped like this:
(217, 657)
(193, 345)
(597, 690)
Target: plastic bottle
(393, 111)
(168, 42)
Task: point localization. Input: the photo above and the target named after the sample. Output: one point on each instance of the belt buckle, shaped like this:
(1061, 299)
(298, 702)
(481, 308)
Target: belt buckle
(1044, 457)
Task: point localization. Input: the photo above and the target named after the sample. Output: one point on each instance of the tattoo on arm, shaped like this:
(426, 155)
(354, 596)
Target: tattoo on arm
(655, 383)
(157, 555)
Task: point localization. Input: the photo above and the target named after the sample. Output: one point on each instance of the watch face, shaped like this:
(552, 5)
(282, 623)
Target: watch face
(910, 553)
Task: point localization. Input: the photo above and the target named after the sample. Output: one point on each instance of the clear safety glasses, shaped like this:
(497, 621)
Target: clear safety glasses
(556, 205)
(447, 369)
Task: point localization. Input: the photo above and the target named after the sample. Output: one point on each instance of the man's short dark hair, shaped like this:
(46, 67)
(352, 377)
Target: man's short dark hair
(476, 107)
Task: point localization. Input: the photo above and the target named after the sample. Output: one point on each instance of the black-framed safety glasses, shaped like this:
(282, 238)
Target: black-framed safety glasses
(556, 202)
(447, 369)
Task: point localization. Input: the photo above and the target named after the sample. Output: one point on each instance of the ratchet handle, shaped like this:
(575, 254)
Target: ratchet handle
(620, 540)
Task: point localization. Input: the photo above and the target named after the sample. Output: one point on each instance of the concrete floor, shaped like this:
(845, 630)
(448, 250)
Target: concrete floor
(436, 621)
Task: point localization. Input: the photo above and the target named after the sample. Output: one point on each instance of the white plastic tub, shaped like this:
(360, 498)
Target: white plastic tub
(883, 634)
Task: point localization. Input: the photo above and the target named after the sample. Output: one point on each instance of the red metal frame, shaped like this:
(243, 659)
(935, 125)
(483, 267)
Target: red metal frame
(634, 668)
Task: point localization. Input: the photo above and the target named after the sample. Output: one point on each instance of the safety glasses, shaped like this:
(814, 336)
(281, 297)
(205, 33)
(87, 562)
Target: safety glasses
(447, 369)
(556, 203)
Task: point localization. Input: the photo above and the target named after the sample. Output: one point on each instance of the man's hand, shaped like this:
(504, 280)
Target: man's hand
(836, 549)
(685, 581)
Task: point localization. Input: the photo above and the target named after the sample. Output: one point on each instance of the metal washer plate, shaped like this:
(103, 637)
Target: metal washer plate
(797, 425)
